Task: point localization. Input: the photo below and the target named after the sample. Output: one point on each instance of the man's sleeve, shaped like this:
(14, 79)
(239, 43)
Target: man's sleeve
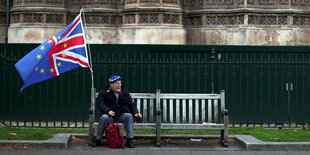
(103, 108)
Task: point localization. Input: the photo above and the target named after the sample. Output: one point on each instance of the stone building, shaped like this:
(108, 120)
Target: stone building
(217, 22)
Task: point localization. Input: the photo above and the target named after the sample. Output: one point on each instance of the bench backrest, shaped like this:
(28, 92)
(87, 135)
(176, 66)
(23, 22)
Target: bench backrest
(180, 107)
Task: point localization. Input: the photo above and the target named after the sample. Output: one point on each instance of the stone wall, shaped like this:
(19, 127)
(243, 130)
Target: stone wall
(2, 21)
(223, 22)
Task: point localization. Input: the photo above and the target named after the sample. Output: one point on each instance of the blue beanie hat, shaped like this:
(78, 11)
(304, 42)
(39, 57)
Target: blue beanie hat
(115, 78)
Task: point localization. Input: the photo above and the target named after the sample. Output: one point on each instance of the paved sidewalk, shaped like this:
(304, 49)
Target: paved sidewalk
(144, 143)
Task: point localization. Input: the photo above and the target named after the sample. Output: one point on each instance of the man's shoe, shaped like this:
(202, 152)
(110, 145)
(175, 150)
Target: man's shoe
(96, 143)
(130, 143)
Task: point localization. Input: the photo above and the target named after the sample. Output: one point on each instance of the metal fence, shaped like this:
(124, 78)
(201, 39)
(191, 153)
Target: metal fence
(264, 85)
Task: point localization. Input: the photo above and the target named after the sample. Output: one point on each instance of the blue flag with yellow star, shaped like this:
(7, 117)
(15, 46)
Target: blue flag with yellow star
(61, 53)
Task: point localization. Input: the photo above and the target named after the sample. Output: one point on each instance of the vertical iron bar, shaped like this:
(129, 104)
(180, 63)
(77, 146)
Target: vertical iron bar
(11, 94)
(40, 101)
(76, 97)
(62, 103)
(68, 101)
(32, 107)
(247, 94)
(7, 21)
(54, 104)
(47, 103)
(268, 85)
(18, 112)
(83, 96)
(4, 98)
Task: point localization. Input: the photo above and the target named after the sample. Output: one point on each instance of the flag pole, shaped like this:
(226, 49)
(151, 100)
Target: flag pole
(93, 89)
(90, 62)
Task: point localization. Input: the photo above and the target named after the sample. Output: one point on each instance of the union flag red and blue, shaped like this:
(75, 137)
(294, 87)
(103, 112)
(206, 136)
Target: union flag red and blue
(61, 53)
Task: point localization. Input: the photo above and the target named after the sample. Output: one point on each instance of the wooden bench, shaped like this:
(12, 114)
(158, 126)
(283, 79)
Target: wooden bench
(177, 111)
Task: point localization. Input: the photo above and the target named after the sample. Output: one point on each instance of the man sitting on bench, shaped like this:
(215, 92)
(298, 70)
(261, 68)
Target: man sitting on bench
(116, 105)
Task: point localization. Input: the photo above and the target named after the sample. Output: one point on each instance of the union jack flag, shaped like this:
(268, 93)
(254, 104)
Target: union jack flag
(61, 53)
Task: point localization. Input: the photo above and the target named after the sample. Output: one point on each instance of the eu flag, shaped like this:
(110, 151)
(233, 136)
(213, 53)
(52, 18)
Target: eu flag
(61, 53)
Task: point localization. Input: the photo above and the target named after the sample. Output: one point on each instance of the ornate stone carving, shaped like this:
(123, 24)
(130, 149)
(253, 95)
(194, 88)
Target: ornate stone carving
(150, 1)
(116, 20)
(170, 2)
(15, 18)
(224, 20)
(101, 3)
(28, 18)
(148, 19)
(193, 21)
(154, 19)
(301, 20)
(191, 4)
(2, 19)
(267, 20)
(103, 19)
(130, 1)
(2, 5)
(55, 1)
(171, 19)
(300, 4)
(54, 18)
(130, 19)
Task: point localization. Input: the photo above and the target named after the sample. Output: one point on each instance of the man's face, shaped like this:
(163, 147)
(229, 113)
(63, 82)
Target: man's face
(116, 86)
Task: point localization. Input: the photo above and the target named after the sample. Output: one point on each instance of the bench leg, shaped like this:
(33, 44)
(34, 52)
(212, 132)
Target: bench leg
(90, 137)
(225, 131)
(224, 137)
(158, 128)
(91, 130)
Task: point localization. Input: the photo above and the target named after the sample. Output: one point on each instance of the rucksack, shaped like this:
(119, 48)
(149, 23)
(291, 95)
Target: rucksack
(114, 136)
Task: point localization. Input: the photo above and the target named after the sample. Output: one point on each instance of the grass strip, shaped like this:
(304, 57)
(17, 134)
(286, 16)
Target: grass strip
(264, 134)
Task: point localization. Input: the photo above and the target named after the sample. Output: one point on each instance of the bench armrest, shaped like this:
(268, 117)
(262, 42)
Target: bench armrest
(225, 112)
(91, 110)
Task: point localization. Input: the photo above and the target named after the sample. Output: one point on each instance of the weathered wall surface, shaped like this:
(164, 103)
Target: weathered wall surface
(249, 36)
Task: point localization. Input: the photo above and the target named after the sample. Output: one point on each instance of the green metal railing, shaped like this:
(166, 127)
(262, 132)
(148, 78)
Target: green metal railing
(264, 85)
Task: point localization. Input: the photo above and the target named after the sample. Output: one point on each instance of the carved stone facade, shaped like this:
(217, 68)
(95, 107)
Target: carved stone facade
(223, 22)
(2, 21)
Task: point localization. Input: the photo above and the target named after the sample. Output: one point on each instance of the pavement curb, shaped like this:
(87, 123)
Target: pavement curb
(61, 141)
(251, 143)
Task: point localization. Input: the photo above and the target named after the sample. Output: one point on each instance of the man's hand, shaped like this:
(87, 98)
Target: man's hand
(138, 115)
(111, 113)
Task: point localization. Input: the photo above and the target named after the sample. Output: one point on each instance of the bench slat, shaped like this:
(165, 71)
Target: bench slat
(190, 96)
(165, 111)
(190, 111)
(191, 126)
(177, 111)
(143, 95)
(172, 126)
(151, 110)
(215, 119)
(171, 110)
(196, 111)
(145, 110)
(139, 105)
(136, 125)
(209, 110)
(184, 110)
(203, 110)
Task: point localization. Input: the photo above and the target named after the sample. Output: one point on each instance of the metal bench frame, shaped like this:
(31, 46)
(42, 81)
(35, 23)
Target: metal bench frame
(168, 99)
